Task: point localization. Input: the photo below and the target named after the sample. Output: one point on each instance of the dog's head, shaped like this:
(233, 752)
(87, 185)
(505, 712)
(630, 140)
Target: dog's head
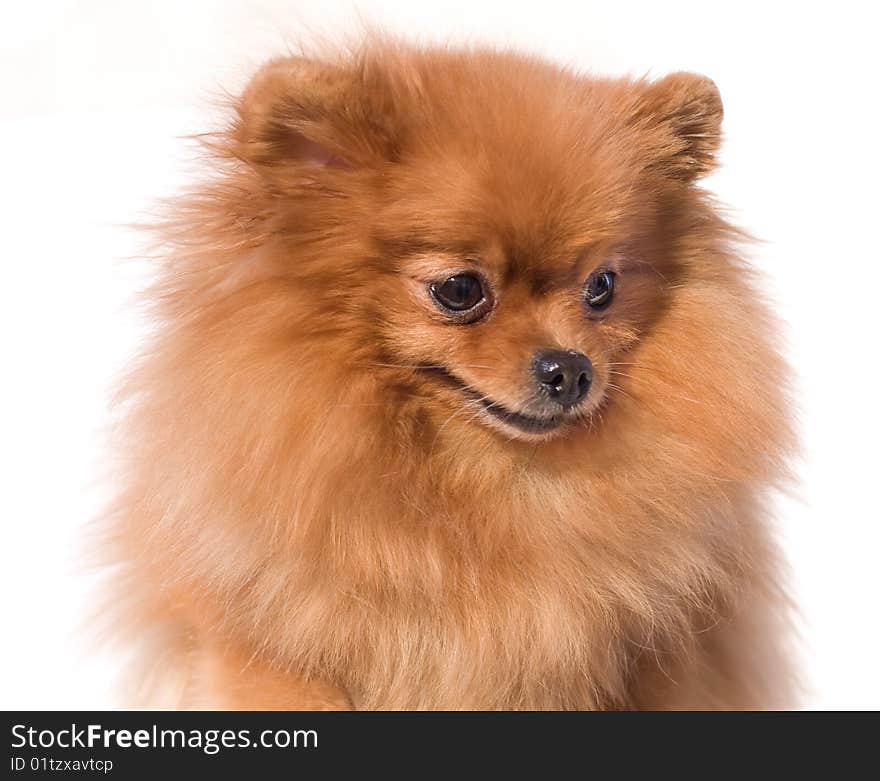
(491, 233)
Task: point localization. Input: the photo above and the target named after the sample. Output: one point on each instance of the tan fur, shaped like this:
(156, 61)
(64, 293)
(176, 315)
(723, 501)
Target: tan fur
(313, 518)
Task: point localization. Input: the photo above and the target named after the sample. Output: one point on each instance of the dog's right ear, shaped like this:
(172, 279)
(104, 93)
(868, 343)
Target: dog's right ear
(303, 113)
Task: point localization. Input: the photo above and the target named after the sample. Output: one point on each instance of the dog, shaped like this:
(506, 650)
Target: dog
(461, 396)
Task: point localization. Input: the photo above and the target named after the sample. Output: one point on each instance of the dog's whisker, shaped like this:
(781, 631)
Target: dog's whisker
(620, 390)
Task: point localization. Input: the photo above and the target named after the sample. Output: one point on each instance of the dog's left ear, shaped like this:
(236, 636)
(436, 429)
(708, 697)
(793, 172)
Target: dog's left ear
(686, 110)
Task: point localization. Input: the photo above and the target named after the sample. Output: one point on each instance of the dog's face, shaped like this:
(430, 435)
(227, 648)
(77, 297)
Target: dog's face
(506, 229)
(518, 309)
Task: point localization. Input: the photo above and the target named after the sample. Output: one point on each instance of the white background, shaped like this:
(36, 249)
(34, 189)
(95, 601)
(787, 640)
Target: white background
(93, 99)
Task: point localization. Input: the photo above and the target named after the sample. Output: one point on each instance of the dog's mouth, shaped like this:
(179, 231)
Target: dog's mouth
(527, 424)
(524, 423)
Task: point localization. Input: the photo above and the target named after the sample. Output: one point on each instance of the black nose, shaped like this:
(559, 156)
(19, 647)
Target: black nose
(564, 375)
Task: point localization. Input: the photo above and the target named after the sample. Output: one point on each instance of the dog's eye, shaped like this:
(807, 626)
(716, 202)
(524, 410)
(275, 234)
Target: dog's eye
(600, 289)
(460, 293)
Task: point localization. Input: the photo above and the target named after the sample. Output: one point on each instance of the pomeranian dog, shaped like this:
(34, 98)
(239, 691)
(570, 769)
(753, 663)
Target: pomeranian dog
(461, 397)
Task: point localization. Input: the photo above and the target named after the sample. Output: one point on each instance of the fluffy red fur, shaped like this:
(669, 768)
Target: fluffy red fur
(319, 510)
